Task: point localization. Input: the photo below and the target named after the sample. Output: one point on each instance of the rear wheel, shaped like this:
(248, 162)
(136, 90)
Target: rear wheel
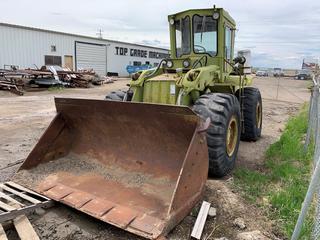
(223, 134)
(252, 114)
(119, 95)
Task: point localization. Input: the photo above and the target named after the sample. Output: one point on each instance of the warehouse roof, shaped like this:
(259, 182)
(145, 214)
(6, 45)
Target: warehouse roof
(75, 35)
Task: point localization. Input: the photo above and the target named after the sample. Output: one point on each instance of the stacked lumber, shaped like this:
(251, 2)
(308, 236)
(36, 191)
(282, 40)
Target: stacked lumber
(16, 80)
(81, 81)
(105, 80)
(13, 85)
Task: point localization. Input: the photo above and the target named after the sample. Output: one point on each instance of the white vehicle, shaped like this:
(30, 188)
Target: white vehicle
(262, 73)
(278, 72)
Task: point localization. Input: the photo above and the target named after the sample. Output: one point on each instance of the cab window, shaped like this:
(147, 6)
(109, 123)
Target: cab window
(228, 43)
(205, 35)
(182, 27)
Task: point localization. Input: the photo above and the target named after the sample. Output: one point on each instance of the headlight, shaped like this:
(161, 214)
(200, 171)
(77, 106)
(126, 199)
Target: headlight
(171, 21)
(164, 63)
(169, 64)
(186, 63)
(216, 15)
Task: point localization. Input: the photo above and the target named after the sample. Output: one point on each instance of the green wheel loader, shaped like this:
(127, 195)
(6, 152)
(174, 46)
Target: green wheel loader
(140, 162)
(203, 74)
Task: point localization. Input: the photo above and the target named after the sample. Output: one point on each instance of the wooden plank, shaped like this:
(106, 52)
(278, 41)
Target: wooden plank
(201, 220)
(3, 235)
(8, 216)
(24, 228)
(6, 207)
(17, 186)
(10, 199)
(20, 194)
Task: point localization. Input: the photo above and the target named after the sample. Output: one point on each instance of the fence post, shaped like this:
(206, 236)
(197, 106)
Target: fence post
(316, 225)
(314, 124)
(310, 121)
(313, 109)
(317, 126)
(307, 201)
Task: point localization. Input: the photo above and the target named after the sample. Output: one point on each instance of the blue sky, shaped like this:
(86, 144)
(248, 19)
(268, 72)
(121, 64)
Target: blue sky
(278, 33)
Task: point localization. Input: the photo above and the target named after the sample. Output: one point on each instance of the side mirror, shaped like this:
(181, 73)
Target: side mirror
(240, 60)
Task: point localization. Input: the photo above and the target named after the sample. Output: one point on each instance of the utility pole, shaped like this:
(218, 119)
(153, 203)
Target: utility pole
(99, 34)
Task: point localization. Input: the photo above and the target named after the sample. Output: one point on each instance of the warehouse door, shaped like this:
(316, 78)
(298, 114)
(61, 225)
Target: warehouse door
(68, 62)
(91, 56)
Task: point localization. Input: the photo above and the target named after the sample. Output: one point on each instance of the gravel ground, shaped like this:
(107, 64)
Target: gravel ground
(23, 120)
(77, 166)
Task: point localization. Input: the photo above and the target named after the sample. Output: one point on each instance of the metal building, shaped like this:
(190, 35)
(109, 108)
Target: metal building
(28, 47)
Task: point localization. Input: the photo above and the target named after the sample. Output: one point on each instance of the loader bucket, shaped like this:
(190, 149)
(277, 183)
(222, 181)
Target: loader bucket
(140, 167)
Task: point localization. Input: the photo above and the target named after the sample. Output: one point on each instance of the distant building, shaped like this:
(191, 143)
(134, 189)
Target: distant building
(26, 47)
(310, 65)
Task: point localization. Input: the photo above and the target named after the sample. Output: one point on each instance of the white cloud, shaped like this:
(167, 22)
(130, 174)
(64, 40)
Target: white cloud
(279, 33)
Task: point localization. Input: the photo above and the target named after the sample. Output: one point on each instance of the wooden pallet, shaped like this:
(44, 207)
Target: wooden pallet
(15, 202)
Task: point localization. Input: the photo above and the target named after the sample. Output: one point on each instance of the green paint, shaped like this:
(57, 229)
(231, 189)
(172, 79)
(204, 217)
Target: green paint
(206, 51)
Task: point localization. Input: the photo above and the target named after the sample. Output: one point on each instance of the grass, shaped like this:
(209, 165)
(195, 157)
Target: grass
(281, 186)
(56, 88)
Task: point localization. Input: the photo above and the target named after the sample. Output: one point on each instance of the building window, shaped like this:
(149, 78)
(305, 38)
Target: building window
(53, 60)
(53, 48)
(135, 63)
(147, 63)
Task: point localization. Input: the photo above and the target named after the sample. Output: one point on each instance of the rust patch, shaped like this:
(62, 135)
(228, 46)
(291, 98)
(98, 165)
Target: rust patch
(146, 224)
(140, 167)
(120, 216)
(58, 192)
(77, 199)
(97, 207)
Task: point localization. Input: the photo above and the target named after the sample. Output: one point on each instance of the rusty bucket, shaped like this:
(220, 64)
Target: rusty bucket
(140, 167)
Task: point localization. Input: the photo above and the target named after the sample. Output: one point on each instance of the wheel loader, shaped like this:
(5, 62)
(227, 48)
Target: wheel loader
(204, 75)
(140, 160)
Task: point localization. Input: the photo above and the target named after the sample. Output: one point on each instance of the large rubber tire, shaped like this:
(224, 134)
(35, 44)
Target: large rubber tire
(119, 95)
(252, 106)
(116, 95)
(221, 109)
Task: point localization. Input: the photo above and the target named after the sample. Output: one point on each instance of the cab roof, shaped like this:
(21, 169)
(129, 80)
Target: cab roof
(224, 13)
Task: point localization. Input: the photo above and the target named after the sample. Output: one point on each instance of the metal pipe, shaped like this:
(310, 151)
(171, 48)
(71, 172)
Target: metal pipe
(307, 201)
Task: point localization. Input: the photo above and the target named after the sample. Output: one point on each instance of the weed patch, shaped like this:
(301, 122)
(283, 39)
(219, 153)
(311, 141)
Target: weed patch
(281, 188)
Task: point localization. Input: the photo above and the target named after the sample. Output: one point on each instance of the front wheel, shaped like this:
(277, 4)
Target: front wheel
(223, 134)
(252, 114)
(119, 95)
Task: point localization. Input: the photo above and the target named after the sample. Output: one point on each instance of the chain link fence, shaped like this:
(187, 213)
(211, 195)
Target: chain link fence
(313, 135)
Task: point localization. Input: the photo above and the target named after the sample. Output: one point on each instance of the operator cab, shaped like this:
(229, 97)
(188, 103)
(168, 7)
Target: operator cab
(207, 34)
(204, 36)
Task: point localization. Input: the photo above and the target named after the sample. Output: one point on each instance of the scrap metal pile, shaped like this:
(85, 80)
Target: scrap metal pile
(18, 81)
(12, 85)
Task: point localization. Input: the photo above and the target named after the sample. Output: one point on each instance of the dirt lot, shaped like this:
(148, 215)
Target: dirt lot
(23, 120)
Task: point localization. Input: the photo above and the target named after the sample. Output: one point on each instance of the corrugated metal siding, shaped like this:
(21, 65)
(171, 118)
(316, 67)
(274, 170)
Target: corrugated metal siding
(91, 56)
(26, 47)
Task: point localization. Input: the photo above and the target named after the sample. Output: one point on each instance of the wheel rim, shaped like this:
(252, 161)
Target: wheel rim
(232, 136)
(258, 115)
